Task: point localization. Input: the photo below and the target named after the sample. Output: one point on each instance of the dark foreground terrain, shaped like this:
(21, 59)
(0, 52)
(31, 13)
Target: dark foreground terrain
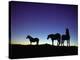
(29, 51)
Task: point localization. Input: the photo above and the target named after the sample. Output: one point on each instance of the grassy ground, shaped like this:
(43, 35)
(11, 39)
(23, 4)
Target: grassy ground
(46, 50)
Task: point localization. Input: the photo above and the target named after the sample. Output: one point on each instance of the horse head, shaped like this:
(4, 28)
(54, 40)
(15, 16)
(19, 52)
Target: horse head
(28, 36)
(48, 37)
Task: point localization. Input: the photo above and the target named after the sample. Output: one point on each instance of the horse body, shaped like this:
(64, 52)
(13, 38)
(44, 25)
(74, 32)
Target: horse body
(33, 39)
(53, 37)
(66, 37)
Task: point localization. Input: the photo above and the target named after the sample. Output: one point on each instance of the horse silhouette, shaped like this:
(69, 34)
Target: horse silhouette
(53, 37)
(33, 39)
(66, 37)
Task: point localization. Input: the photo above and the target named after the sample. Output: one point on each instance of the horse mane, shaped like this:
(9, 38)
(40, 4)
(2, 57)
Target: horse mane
(30, 37)
(50, 34)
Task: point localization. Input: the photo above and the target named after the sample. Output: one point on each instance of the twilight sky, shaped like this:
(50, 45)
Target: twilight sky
(39, 20)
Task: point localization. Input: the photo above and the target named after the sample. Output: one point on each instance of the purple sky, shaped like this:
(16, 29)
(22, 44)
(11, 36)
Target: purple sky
(39, 20)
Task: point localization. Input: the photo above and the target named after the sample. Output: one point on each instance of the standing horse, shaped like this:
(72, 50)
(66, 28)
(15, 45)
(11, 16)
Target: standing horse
(66, 37)
(53, 37)
(32, 39)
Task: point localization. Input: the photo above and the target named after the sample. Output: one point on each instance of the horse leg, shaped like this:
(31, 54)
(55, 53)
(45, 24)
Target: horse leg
(68, 42)
(58, 43)
(62, 43)
(30, 42)
(37, 42)
(52, 42)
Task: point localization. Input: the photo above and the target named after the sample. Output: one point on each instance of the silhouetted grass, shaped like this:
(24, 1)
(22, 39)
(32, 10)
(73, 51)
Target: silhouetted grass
(45, 50)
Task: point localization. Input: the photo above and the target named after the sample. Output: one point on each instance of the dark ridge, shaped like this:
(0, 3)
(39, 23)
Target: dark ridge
(44, 50)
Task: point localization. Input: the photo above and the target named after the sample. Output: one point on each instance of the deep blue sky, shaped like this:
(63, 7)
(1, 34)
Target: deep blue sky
(39, 20)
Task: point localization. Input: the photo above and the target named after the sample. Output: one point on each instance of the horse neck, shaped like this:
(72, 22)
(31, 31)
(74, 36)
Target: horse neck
(30, 37)
(50, 36)
(67, 33)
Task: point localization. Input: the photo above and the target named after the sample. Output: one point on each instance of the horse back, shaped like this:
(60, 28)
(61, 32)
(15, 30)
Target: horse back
(57, 35)
(36, 39)
(65, 37)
